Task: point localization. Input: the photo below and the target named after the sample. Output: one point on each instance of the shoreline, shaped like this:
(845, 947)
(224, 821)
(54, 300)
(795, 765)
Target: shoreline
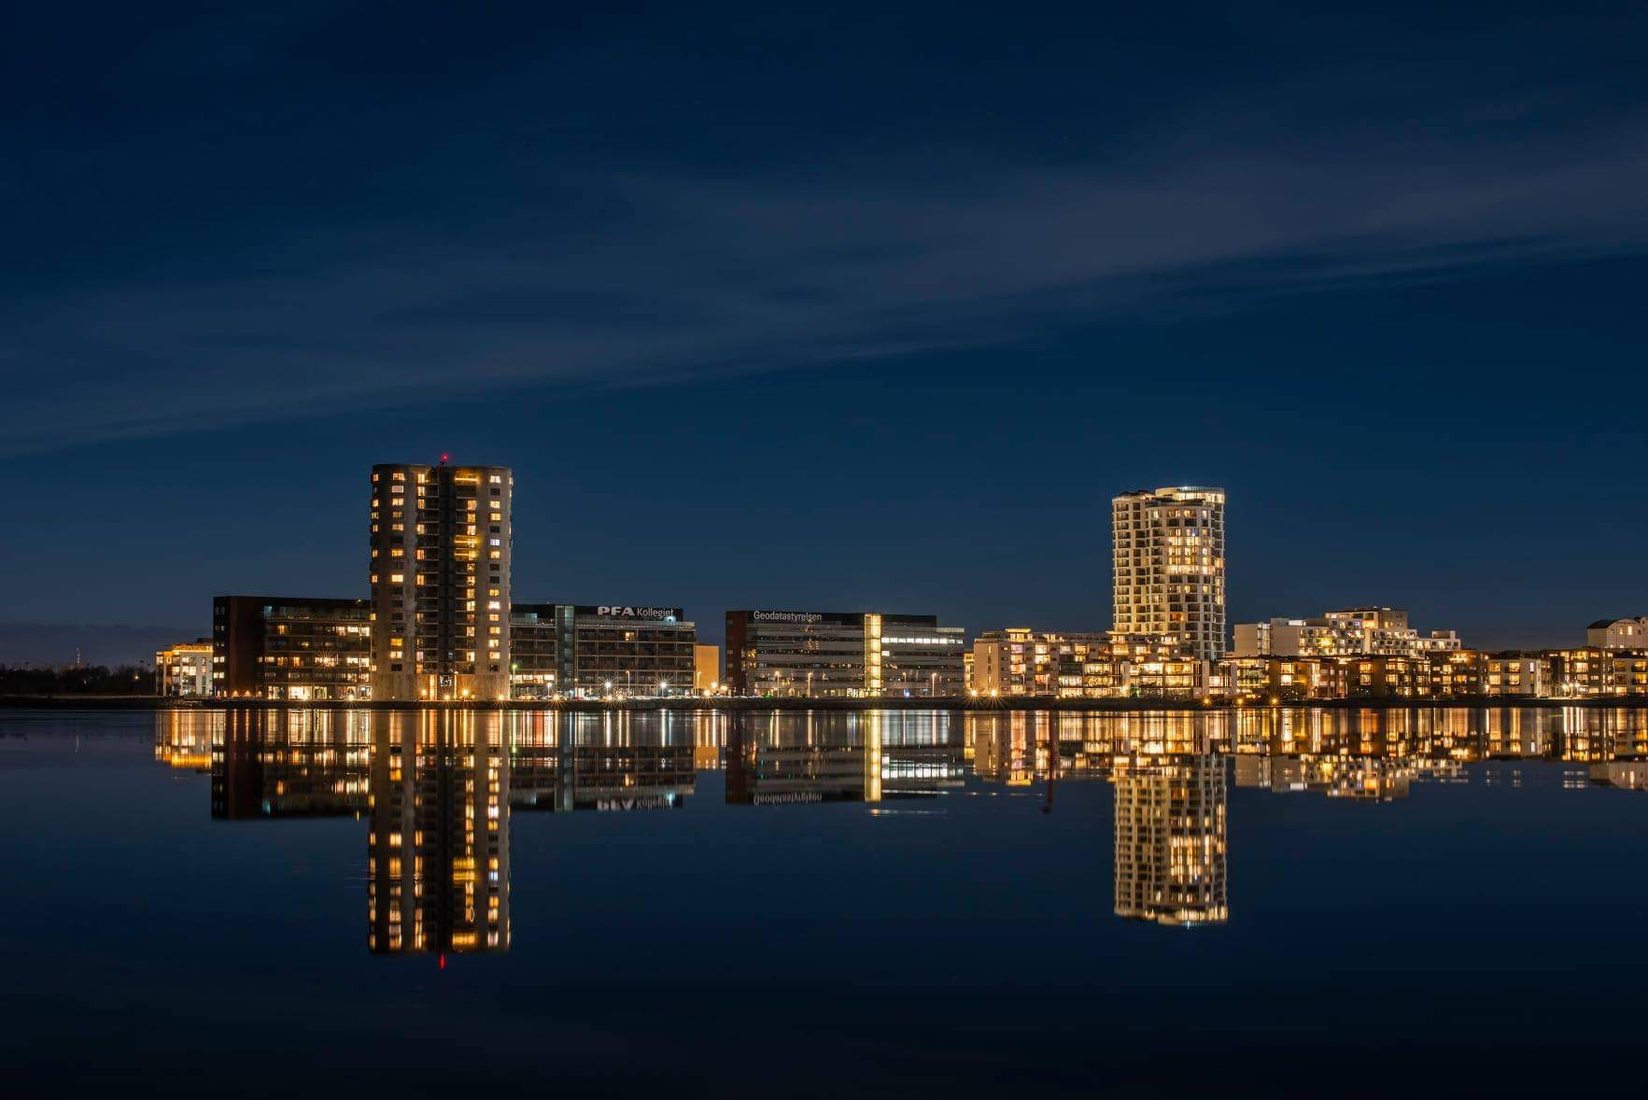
(971, 706)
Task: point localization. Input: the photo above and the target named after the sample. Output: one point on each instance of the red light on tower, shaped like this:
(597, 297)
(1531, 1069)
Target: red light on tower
(445, 458)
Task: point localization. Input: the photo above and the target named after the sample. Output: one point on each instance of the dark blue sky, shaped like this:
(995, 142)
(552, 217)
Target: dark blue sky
(876, 308)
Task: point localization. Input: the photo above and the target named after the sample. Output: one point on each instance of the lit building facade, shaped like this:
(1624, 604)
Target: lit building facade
(706, 667)
(1356, 632)
(1169, 566)
(440, 577)
(919, 658)
(590, 651)
(1171, 839)
(1618, 633)
(184, 671)
(292, 649)
(1516, 674)
(1585, 671)
(843, 655)
(1020, 662)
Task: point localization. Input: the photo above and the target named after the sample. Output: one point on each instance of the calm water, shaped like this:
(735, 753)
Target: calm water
(322, 903)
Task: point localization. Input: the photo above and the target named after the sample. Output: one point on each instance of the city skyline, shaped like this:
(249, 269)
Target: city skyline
(1127, 523)
(443, 616)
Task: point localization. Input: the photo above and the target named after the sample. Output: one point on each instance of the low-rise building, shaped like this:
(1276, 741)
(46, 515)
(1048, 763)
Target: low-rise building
(1516, 674)
(1020, 662)
(1584, 671)
(590, 650)
(184, 670)
(1618, 633)
(291, 648)
(1353, 632)
(1628, 672)
(842, 655)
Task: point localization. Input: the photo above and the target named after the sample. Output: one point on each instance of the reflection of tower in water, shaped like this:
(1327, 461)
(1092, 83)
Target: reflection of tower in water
(1171, 839)
(438, 850)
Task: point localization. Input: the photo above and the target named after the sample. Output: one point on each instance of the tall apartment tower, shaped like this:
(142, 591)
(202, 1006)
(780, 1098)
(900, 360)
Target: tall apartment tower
(440, 581)
(1170, 565)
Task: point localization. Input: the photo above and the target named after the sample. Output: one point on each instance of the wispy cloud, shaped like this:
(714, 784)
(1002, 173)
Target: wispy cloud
(688, 274)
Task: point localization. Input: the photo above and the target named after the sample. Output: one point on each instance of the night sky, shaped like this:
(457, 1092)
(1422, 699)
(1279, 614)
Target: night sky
(845, 309)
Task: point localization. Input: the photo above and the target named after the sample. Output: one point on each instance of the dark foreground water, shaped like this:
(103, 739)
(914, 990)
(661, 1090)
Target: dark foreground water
(440, 903)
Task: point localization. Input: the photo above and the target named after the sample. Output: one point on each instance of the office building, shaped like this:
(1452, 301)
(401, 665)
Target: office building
(1618, 633)
(592, 651)
(842, 655)
(440, 577)
(1169, 566)
(1171, 838)
(184, 671)
(294, 649)
(920, 659)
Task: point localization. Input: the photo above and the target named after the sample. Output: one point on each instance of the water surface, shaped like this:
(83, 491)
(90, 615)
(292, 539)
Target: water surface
(325, 902)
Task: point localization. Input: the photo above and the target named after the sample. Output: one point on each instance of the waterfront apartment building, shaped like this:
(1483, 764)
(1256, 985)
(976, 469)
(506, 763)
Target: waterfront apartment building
(1618, 633)
(184, 670)
(1171, 839)
(440, 577)
(592, 651)
(1020, 662)
(1354, 632)
(291, 648)
(1516, 674)
(1169, 565)
(842, 655)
